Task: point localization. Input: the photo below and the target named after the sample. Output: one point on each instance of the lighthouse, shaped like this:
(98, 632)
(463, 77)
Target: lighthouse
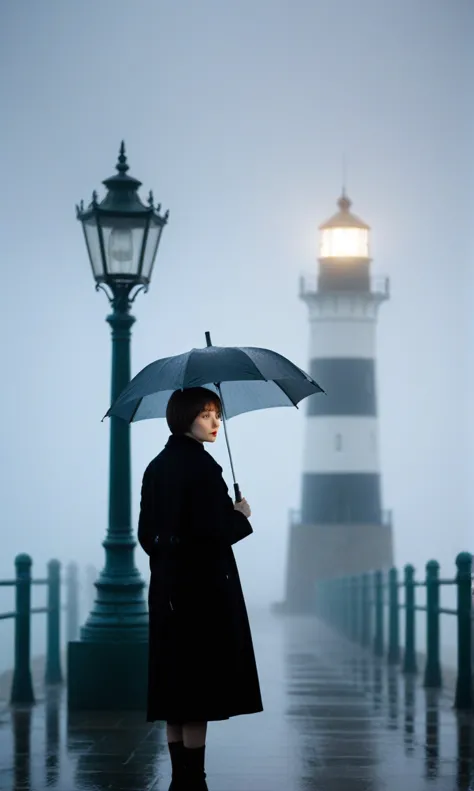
(341, 527)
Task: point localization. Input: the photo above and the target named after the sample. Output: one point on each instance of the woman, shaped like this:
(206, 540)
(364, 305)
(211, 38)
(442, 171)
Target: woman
(201, 658)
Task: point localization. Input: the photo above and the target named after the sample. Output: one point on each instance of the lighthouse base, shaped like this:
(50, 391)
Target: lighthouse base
(318, 552)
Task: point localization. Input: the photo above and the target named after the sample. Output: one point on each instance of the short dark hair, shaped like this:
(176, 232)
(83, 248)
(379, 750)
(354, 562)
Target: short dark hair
(185, 405)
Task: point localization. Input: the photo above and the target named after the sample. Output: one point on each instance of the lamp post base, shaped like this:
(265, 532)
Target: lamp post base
(107, 676)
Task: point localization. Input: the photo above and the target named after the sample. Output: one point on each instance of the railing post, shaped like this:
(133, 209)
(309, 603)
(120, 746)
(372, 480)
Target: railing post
(342, 603)
(328, 606)
(409, 659)
(327, 601)
(347, 606)
(333, 602)
(90, 586)
(22, 685)
(464, 696)
(365, 611)
(433, 665)
(354, 608)
(378, 599)
(317, 598)
(393, 654)
(72, 602)
(53, 673)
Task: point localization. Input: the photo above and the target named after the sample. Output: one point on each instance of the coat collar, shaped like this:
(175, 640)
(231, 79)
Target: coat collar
(182, 441)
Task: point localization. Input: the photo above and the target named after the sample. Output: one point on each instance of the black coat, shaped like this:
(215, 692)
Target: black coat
(201, 658)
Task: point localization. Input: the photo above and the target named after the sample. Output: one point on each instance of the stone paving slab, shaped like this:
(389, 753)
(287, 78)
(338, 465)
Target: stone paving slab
(334, 720)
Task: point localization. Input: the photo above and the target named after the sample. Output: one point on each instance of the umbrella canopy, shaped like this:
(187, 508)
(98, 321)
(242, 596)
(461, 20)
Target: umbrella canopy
(247, 378)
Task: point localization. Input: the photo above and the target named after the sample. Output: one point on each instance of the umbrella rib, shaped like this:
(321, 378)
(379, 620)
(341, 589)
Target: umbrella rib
(136, 409)
(185, 367)
(277, 382)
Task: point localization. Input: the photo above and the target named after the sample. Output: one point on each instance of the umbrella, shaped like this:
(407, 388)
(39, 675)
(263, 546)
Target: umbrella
(245, 378)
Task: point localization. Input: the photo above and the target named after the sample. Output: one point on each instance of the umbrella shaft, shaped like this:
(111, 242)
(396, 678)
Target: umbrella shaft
(238, 496)
(228, 447)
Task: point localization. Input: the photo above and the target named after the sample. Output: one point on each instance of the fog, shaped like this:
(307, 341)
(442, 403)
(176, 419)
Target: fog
(238, 116)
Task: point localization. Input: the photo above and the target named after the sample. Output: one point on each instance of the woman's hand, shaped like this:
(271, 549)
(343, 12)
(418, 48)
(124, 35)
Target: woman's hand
(243, 507)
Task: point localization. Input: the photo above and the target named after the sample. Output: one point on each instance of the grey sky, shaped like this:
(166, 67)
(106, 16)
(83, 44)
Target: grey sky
(237, 115)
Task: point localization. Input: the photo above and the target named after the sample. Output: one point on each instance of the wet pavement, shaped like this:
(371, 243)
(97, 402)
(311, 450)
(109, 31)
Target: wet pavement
(333, 721)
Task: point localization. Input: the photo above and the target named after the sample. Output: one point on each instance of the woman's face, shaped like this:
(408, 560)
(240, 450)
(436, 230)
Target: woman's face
(206, 426)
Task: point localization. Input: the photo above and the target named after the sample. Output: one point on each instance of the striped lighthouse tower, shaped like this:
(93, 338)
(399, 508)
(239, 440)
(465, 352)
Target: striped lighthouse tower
(341, 528)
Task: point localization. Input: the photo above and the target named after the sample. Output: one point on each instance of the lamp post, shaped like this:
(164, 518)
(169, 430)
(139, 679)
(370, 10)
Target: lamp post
(122, 235)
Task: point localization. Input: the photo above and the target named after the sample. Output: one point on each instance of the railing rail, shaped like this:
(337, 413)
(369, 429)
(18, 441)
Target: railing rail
(357, 607)
(22, 685)
(378, 285)
(295, 517)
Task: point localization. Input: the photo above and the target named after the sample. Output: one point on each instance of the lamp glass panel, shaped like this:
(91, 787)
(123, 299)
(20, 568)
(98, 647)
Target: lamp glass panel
(93, 246)
(123, 240)
(154, 233)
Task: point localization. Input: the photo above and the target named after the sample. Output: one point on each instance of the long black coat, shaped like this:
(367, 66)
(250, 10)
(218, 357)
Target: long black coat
(201, 658)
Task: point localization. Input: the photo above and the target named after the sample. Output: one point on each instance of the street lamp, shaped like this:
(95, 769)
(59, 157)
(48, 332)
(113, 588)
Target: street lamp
(122, 235)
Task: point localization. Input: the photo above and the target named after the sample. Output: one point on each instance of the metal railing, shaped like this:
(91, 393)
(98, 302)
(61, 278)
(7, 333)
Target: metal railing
(22, 684)
(379, 285)
(356, 607)
(295, 516)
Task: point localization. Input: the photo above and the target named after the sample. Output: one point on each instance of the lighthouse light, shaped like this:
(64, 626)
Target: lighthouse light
(344, 243)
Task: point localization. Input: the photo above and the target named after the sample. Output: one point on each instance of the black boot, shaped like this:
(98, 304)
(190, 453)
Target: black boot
(178, 768)
(195, 774)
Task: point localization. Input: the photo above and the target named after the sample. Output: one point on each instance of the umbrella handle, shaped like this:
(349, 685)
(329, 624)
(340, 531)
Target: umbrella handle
(238, 495)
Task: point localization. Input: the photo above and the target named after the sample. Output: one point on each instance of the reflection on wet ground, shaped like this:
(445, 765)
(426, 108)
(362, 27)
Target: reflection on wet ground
(333, 720)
